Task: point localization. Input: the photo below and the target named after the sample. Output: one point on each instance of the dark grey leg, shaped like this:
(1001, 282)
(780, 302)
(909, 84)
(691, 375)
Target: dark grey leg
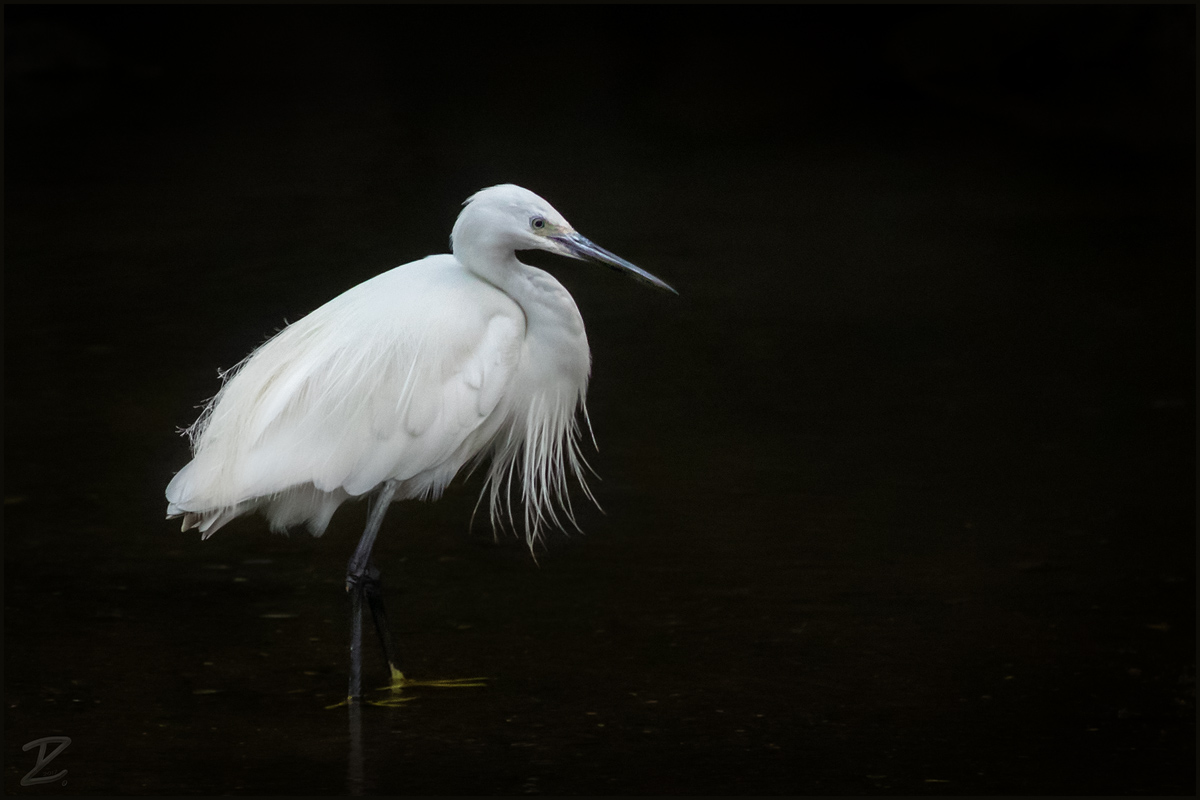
(363, 580)
(373, 589)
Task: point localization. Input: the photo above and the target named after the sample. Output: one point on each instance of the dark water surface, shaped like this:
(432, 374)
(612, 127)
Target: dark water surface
(898, 492)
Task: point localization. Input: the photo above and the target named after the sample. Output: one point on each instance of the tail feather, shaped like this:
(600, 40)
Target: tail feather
(207, 522)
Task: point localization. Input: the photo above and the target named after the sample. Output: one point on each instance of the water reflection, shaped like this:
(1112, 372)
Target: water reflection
(395, 697)
(354, 772)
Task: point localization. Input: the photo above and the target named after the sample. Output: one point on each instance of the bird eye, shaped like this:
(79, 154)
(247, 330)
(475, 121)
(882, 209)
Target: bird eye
(538, 223)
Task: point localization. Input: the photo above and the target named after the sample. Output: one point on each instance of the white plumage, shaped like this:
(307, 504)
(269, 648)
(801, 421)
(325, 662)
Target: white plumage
(406, 378)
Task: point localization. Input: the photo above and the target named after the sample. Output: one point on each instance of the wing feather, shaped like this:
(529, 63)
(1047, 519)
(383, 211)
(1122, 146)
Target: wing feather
(386, 381)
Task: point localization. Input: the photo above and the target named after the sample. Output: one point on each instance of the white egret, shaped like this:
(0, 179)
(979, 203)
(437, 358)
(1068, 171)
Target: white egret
(395, 385)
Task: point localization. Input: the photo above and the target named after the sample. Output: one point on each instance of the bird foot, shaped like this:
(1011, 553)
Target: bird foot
(399, 683)
(388, 702)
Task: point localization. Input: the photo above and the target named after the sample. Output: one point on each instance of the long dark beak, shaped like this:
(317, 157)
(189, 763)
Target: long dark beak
(585, 249)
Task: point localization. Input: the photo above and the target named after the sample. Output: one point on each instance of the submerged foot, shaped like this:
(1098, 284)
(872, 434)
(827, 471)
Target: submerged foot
(399, 683)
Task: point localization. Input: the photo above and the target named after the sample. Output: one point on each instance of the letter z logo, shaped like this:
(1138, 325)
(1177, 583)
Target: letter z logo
(43, 759)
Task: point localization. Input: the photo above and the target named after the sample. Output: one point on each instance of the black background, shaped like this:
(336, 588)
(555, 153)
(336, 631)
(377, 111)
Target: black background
(899, 491)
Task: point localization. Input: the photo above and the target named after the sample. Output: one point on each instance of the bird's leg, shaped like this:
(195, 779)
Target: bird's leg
(355, 646)
(358, 582)
(373, 588)
(362, 580)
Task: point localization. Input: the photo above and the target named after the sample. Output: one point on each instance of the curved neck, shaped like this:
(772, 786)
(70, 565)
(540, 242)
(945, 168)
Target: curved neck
(492, 257)
(494, 261)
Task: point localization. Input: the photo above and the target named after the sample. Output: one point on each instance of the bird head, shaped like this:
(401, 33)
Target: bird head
(511, 218)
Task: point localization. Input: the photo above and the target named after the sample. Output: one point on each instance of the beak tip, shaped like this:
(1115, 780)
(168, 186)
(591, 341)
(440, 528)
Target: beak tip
(579, 246)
